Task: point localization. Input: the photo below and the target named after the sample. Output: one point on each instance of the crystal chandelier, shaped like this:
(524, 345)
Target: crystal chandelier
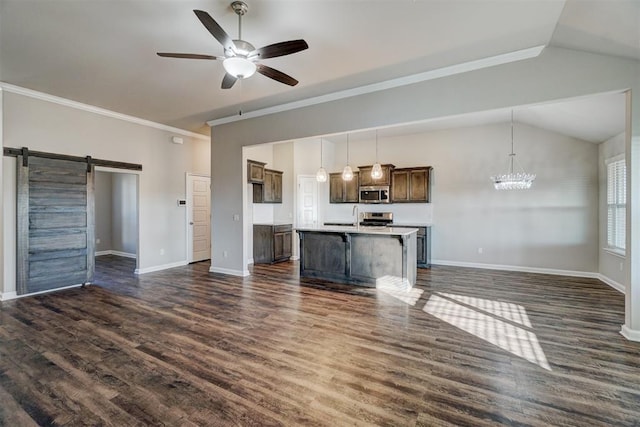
(513, 180)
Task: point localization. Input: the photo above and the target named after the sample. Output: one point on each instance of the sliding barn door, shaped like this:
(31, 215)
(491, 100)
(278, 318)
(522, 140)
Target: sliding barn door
(55, 224)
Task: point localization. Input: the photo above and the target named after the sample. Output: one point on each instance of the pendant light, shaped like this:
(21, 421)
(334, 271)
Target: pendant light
(321, 175)
(347, 172)
(376, 170)
(513, 180)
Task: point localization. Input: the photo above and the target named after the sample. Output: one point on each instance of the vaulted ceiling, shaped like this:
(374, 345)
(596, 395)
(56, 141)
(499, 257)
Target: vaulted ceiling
(103, 52)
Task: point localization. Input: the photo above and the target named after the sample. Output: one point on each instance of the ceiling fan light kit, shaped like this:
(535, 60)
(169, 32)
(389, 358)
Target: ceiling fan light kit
(241, 59)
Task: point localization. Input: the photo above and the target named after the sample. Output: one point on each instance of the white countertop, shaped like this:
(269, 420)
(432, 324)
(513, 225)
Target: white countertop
(386, 231)
(413, 224)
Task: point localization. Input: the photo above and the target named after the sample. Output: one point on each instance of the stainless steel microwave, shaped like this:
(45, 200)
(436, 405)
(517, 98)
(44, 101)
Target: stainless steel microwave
(375, 194)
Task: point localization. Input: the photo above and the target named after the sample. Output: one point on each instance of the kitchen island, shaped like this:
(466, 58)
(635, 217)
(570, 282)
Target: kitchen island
(359, 255)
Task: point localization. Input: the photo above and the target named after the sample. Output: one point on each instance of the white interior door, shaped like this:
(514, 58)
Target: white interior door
(307, 201)
(199, 217)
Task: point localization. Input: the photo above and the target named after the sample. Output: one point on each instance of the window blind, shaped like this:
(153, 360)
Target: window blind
(616, 203)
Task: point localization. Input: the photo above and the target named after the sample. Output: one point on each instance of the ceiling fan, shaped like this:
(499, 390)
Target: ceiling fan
(241, 59)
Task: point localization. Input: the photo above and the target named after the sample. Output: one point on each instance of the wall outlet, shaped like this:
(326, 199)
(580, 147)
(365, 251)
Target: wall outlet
(224, 254)
(480, 250)
(161, 251)
(98, 240)
(236, 217)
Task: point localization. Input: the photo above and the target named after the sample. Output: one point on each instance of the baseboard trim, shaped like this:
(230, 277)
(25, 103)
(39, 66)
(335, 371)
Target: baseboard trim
(160, 267)
(615, 285)
(116, 253)
(519, 268)
(294, 258)
(250, 261)
(6, 296)
(230, 272)
(630, 334)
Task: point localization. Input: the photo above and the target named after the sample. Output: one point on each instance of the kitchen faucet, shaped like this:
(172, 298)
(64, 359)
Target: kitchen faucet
(355, 211)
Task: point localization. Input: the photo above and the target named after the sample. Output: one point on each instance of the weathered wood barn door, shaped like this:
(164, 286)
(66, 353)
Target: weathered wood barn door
(55, 218)
(55, 224)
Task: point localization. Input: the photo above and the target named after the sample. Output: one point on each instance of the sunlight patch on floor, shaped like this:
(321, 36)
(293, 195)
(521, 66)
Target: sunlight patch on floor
(484, 319)
(509, 311)
(399, 288)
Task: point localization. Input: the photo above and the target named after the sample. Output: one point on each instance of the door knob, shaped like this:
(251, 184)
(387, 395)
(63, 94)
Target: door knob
(191, 223)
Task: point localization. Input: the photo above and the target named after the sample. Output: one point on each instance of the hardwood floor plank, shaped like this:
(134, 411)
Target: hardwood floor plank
(187, 347)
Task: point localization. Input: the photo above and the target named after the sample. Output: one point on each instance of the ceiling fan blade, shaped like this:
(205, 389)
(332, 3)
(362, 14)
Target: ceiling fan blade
(280, 49)
(186, 55)
(228, 81)
(274, 74)
(215, 29)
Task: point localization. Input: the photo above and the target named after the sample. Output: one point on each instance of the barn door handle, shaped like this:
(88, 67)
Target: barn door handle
(191, 223)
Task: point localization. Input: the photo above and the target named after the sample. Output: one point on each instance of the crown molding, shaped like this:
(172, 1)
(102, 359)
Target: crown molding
(464, 67)
(97, 110)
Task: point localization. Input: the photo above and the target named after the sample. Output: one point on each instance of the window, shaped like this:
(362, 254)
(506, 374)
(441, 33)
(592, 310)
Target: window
(616, 203)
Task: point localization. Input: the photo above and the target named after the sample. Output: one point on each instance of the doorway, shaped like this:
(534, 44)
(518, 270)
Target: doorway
(116, 216)
(307, 197)
(198, 217)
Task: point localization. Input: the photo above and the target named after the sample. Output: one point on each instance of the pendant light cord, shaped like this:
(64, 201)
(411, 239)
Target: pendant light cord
(347, 149)
(376, 145)
(512, 155)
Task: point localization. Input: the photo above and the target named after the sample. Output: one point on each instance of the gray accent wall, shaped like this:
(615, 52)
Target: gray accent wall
(556, 74)
(104, 196)
(47, 126)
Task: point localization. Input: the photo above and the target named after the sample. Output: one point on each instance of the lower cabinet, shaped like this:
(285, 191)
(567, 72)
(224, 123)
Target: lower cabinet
(423, 244)
(271, 243)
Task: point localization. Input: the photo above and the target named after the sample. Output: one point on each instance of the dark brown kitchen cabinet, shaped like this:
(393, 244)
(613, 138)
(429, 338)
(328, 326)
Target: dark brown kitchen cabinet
(255, 172)
(341, 191)
(411, 185)
(272, 187)
(271, 243)
(365, 175)
(267, 183)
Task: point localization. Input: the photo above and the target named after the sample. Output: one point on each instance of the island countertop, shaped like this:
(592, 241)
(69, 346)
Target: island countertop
(385, 231)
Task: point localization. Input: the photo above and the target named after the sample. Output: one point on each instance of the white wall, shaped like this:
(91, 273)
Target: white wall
(47, 126)
(124, 213)
(612, 266)
(103, 204)
(283, 161)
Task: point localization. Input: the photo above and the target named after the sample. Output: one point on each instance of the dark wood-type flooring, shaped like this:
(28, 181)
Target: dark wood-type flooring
(188, 347)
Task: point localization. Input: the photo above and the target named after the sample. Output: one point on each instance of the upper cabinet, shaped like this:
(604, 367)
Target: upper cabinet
(341, 191)
(267, 183)
(411, 185)
(272, 187)
(365, 176)
(255, 172)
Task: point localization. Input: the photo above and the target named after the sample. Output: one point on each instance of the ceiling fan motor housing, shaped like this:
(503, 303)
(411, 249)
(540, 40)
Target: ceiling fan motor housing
(243, 49)
(239, 7)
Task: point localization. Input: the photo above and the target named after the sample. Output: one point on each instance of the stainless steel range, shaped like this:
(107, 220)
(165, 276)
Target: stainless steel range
(377, 219)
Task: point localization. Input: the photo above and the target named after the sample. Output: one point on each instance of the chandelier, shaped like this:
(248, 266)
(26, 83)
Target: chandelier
(513, 180)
